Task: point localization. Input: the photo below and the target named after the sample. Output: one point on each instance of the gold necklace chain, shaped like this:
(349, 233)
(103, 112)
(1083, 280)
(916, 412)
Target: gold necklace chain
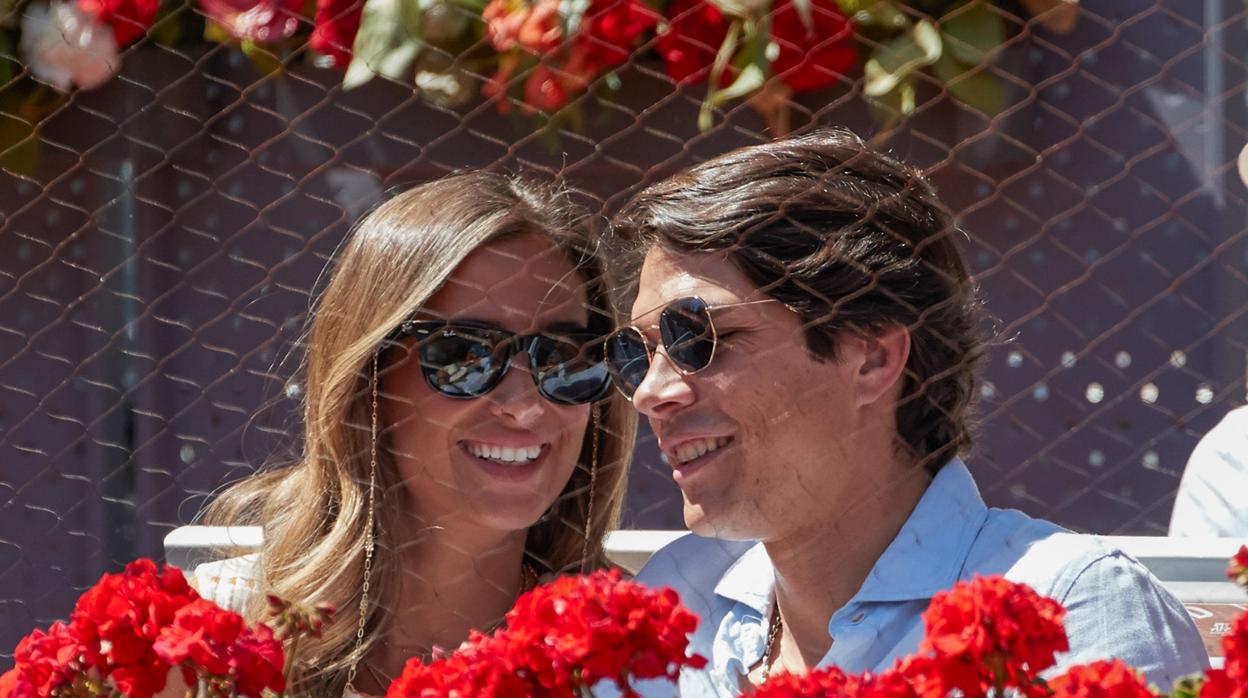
(774, 624)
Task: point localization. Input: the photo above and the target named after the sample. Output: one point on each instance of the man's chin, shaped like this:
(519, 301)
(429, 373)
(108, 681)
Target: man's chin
(700, 520)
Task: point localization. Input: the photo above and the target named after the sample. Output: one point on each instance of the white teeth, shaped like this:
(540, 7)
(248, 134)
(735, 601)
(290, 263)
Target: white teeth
(503, 454)
(694, 449)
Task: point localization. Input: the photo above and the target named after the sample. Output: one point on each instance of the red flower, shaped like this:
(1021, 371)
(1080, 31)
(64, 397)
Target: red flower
(601, 628)
(695, 31)
(610, 29)
(1231, 681)
(543, 90)
(535, 27)
(119, 619)
(44, 662)
(1101, 679)
(988, 633)
(831, 682)
(1237, 570)
(206, 638)
(130, 19)
(816, 56)
(257, 20)
(337, 23)
(483, 667)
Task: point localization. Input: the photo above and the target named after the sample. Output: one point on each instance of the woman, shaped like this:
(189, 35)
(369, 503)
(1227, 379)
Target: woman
(457, 414)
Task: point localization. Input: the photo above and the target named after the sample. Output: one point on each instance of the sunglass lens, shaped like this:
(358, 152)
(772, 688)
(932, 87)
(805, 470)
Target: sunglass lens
(687, 335)
(461, 363)
(568, 371)
(627, 359)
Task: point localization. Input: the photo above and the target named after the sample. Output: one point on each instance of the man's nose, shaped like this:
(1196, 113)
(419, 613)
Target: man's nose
(664, 390)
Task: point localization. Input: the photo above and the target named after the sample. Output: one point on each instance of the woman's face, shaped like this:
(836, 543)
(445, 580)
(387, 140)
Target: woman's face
(522, 284)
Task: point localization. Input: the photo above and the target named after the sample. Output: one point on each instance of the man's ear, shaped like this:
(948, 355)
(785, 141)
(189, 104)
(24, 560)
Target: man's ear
(885, 354)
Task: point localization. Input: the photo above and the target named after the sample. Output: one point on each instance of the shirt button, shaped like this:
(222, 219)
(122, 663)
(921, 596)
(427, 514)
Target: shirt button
(857, 618)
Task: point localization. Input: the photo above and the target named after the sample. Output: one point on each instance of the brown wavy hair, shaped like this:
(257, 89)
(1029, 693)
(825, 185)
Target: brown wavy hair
(853, 240)
(314, 510)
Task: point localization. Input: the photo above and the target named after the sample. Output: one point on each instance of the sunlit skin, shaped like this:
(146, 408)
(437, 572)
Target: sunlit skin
(812, 466)
(466, 518)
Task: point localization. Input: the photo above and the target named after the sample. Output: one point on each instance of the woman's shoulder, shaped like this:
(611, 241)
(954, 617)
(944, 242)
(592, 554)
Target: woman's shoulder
(229, 583)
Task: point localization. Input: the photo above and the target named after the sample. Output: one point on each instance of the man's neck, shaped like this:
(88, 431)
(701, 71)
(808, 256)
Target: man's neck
(822, 565)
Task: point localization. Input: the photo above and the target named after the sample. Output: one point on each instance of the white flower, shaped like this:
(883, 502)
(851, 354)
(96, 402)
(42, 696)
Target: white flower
(64, 46)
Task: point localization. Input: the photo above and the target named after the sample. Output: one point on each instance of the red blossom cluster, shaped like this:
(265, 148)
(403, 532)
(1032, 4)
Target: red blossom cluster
(1237, 570)
(1100, 679)
(526, 30)
(988, 633)
(831, 682)
(129, 19)
(563, 638)
(1231, 681)
(128, 632)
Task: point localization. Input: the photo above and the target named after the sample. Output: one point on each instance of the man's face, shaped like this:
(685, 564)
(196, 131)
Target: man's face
(777, 428)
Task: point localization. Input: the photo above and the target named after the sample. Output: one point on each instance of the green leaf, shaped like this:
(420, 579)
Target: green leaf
(19, 137)
(265, 61)
(706, 113)
(387, 43)
(216, 33)
(748, 80)
(167, 28)
(882, 13)
(9, 65)
(893, 62)
(889, 108)
(1188, 686)
(975, 87)
(973, 33)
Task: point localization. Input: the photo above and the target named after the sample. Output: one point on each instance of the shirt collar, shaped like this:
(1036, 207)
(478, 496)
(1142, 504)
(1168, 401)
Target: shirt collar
(926, 556)
(749, 580)
(931, 548)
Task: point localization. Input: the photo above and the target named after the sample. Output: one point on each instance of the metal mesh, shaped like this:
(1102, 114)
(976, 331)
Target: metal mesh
(157, 264)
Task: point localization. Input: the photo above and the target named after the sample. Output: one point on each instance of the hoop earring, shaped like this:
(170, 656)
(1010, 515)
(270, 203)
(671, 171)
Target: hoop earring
(595, 416)
(370, 536)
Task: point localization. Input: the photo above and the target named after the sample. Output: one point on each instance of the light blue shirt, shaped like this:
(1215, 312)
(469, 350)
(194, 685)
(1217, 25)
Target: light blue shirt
(1114, 607)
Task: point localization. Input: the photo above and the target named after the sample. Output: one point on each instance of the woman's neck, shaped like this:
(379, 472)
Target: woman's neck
(451, 580)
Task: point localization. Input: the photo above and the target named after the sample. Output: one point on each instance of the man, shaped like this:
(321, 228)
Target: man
(804, 345)
(1210, 499)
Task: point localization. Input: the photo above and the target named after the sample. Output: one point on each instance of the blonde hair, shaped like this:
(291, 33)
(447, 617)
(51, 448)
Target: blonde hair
(314, 511)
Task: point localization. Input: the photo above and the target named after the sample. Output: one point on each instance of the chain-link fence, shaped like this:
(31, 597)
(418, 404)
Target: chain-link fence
(163, 233)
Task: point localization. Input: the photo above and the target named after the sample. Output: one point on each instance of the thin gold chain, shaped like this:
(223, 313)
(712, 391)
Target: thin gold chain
(773, 632)
(593, 476)
(369, 537)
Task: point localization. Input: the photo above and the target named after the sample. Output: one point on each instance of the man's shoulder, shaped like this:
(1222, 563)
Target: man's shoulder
(1040, 553)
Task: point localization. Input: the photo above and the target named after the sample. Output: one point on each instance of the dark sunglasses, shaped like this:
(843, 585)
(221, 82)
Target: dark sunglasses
(689, 339)
(466, 360)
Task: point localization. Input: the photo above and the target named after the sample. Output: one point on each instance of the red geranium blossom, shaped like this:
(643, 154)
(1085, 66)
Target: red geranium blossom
(695, 31)
(544, 90)
(207, 638)
(337, 22)
(119, 619)
(535, 26)
(1237, 570)
(44, 662)
(1100, 679)
(816, 56)
(257, 20)
(831, 682)
(130, 19)
(610, 29)
(483, 667)
(988, 633)
(604, 628)
(1231, 681)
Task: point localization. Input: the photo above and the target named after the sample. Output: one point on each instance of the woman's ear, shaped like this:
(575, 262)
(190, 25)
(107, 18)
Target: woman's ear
(884, 358)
